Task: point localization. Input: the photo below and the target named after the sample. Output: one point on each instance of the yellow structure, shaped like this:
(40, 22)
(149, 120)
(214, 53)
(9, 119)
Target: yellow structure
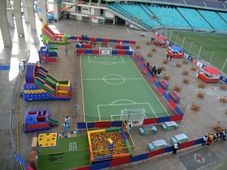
(47, 139)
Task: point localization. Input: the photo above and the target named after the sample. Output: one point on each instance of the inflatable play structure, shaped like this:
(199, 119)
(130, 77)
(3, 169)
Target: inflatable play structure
(159, 40)
(209, 74)
(113, 144)
(48, 36)
(38, 120)
(175, 52)
(40, 85)
(47, 54)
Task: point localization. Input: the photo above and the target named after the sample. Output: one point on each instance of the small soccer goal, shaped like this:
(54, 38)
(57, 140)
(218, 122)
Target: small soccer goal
(133, 117)
(105, 50)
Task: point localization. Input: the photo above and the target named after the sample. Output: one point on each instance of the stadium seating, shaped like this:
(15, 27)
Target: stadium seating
(190, 15)
(223, 15)
(172, 17)
(169, 17)
(214, 19)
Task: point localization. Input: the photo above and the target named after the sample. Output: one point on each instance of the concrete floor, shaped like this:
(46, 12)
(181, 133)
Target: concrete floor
(13, 108)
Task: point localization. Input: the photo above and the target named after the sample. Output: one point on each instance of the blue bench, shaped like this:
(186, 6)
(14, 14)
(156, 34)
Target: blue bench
(169, 125)
(148, 130)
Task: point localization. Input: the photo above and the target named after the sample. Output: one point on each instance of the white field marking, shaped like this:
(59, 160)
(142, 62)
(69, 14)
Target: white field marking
(122, 104)
(122, 100)
(101, 79)
(121, 78)
(106, 63)
(104, 57)
(148, 86)
(119, 115)
(153, 110)
(82, 88)
(99, 113)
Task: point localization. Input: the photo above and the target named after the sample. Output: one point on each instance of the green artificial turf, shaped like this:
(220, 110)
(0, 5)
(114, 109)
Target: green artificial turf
(209, 42)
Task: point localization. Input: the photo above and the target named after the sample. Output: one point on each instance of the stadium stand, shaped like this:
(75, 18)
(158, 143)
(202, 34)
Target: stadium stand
(190, 15)
(214, 19)
(169, 17)
(223, 15)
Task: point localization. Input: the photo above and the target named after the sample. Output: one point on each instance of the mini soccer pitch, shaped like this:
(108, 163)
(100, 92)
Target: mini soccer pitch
(113, 83)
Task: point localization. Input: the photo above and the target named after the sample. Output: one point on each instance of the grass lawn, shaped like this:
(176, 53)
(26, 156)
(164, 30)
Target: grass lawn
(210, 43)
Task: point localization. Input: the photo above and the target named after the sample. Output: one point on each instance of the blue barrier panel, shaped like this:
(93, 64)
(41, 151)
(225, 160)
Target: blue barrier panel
(5, 67)
(138, 157)
(198, 141)
(111, 40)
(129, 52)
(190, 58)
(81, 125)
(178, 111)
(114, 52)
(123, 134)
(126, 41)
(90, 125)
(168, 149)
(166, 96)
(88, 51)
(100, 165)
(156, 84)
(99, 39)
(224, 79)
(116, 123)
(163, 119)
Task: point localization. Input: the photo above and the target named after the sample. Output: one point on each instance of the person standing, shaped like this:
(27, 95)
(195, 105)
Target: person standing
(175, 148)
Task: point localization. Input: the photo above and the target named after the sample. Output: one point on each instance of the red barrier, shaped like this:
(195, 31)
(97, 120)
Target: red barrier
(151, 79)
(106, 40)
(82, 168)
(156, 152)
(93, 39)
(118, 41)
(87, 46)
(186, 144)
(80, 51)
(172, 104)
(105, 124)
(120, 161)
(150, 121)
(121, 52)
(132, 42)
(176, 117)
(145, 70)
(95, 52)
(160, 89)
(51, 59)
(118, 46)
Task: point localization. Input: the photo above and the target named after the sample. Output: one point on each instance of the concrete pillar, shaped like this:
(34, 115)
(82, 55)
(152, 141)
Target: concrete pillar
(57, 5)
(25, 9)
(4, 25)
(18, 17)
(31, 14)
(9, 14)
(44, 11)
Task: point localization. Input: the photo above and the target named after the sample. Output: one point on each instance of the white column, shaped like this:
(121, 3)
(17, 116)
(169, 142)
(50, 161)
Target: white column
(18, 17)
(57, 5)
(4, 25)
(31, 14)
(9, 14)
(44, 11)
(25, 9)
